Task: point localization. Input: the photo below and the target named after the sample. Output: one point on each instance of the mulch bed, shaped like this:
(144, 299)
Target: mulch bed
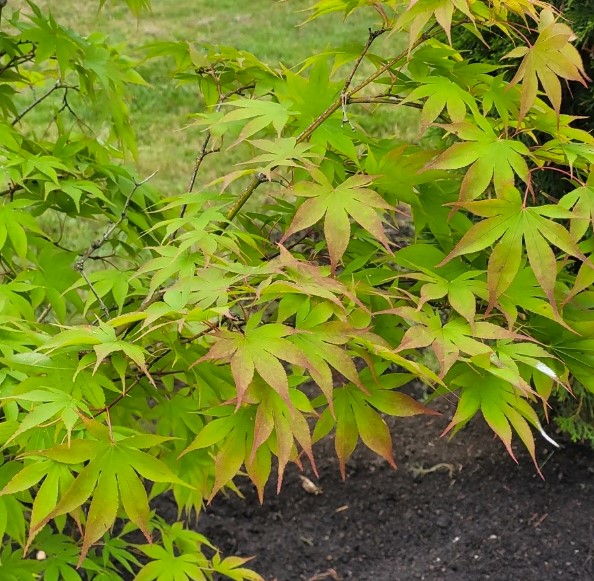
(480, 517)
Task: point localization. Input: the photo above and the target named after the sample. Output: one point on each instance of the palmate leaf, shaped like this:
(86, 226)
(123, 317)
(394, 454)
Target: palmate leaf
(510, 221)
(441, 93)
(399, 171)
(251, 434)
(306, 279)
(259, 349)
(45, 405)
(491, 159)
(448, 341)
(357, 415)
(350, 199)
(461, 292)
(57, 478)
(551, 57)
(110, 478)
(261, 113)
(282, 427)
(419, 12)
(581, 201)
(323, 346)
(282, 152)
(503, 409)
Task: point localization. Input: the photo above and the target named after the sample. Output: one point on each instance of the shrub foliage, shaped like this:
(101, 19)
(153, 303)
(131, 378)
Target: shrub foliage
(166, 342)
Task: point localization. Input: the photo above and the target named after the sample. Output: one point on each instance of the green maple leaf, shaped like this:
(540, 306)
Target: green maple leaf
(501, 407)
(447, 341)
(261, 113)
(336, 204)
(323, 347)
(282, 152)
(356, 414)
(511, 222)
(461, 293)
(283, 427)
(505, 99)
(419, 12)
(245, 438)
(44, 405)
(441, 93)
(166, 565)
(491, 159)
(110, 477)
(551, 57)
(581, 201)
(453, 280)
(399, 171)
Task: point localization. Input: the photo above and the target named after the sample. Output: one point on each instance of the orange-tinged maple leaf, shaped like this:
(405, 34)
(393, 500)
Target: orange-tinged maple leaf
(350, 199)
(551, 57)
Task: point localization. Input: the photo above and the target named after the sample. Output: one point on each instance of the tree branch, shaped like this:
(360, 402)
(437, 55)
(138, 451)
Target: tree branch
(332, 108)
(57, 85)
(204, 151)
(79, 265)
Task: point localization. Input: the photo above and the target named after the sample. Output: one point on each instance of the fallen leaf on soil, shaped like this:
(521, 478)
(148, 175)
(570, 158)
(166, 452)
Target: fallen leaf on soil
(309, 486)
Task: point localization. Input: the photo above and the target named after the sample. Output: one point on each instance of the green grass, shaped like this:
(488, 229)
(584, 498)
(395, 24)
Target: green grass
(267, 28)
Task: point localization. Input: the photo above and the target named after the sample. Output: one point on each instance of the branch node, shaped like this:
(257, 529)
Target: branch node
(344, 100)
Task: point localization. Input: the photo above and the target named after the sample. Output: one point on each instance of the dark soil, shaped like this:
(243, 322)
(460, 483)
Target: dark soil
(488, 519)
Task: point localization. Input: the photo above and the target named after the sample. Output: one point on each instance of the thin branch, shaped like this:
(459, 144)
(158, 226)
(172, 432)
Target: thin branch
(43, 315)
(151, 364)
(79, 265)
(95, 293)
(329, 111)
(373, 34)
(204, 151)
(16, 61)
(258, 179)
(109, 230)
(57, 85)
(378, 99)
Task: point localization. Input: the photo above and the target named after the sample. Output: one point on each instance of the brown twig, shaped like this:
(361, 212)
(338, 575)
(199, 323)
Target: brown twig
(152, 363)
(328, 112)
(373, 34)
(57, 85)
(79, 265)
(204, 151)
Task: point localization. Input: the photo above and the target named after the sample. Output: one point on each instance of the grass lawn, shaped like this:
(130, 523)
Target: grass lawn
(268, 28)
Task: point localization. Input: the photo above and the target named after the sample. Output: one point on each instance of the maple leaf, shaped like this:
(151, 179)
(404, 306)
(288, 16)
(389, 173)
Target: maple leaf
(551, 57)
(581, 201)
(448, 340)
(323, 347)
(441, 93)
(261, 113)
(259, 348)
(336, 204)
(357, 415)
(501, 407)
(399, 171)
(510, 222)
(453, 280)
(282, 152)
(419, 12)
(110, 477)
(490, 158)
(460, 292)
